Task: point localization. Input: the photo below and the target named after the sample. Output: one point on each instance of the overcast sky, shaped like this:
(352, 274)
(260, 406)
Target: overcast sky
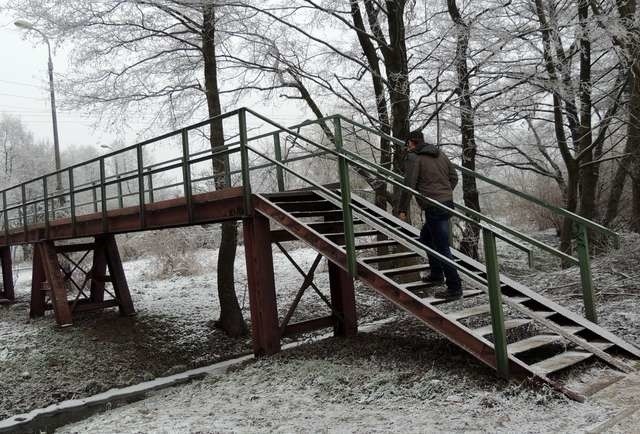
(24, 92)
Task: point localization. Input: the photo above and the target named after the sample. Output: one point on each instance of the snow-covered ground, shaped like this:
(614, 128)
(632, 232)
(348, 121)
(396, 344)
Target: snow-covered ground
(400, 378)
(172, 331)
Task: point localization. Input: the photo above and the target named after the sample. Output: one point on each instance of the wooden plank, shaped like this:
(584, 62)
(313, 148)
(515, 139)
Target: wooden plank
(87, 307)
(261, 282)
(532, 343)
(390, 257)
(375, 244)
(471, 311)
(465, 294)
(508, 325)
(405, 270)
(560, 361)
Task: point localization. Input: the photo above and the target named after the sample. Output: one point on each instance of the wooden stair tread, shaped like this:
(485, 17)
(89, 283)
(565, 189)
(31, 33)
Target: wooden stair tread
(403, 270)
(465, 294)
(471, 311)
(390, 257)
(508, 325)
(355, 234)
(572, 329)
(417, 285)
(532, 343)
(560, 361)
(518, 300)
(375, 244)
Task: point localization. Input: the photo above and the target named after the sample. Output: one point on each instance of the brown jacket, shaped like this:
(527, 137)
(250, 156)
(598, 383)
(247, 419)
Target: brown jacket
(430, 172)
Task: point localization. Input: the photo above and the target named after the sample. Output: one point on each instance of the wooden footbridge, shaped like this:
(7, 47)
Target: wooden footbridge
(499, 321)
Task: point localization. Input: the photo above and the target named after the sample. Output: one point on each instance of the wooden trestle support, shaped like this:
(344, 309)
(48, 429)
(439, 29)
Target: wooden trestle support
(6, 292)
(267, 331)
(51, 282)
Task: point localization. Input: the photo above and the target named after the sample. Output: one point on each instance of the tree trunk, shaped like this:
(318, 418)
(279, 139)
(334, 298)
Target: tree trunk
(470, 232)
(588, 175)
(231, 319)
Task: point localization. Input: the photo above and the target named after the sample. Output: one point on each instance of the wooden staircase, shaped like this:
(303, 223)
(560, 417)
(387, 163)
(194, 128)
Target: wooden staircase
(543, 337)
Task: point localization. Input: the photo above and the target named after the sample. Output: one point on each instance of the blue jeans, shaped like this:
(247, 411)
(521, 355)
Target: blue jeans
(435, 235)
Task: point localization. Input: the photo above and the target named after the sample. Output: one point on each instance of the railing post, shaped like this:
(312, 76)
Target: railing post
(103, 196)
(150, 182)
(244, 161)
(5, 213)
(345, 192)
(582, 246)
(186, 174)
(119, 190)
(72, 202)
(94, 195)
(45, 195)
(278, 155)
(141, 201)
(495, 302)
(24, 210)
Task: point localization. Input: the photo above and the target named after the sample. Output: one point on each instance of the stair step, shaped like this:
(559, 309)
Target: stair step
(471, 311)
(313, 205)
(573, 329)
(319, 213)
(561, 361)
(355, 234)
(390, 257)
(518, 300)
(508, 325)
(405, 270)
(375, 244)
(465, 294)
(415, 286)
(532, 343)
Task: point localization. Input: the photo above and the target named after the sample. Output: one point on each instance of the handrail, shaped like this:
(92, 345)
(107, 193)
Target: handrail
(350, 156)
(558, 210)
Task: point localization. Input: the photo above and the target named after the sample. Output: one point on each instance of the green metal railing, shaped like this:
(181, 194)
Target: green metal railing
(42, 208)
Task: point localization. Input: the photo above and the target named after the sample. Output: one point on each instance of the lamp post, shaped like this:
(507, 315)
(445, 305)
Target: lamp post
(56, 144)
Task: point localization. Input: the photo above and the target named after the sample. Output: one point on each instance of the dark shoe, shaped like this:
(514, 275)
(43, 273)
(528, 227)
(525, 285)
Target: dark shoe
(434, 280)
(449, 295)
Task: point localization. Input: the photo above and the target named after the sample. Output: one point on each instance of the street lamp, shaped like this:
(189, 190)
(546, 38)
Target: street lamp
(56, 144)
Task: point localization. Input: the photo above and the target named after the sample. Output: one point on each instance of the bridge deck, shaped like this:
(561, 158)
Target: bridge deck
(206, 208)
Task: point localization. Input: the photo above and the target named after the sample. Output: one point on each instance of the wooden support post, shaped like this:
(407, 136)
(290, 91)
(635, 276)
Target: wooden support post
(343, 301)
(588, 296)
(38, 278)
(118, 278)
(262, 288)
(98, 271)
(58, 294)
(7, 274)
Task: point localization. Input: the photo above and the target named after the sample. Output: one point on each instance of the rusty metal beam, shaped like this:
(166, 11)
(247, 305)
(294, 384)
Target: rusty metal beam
(7, 274)
(38, 295)
(118, 278)
(309, 326)
(210, 207)
(58, 293)
(262, 292)
(344, 302)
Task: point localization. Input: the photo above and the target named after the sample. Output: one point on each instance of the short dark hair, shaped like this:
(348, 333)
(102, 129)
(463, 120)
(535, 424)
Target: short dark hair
(417, 136)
